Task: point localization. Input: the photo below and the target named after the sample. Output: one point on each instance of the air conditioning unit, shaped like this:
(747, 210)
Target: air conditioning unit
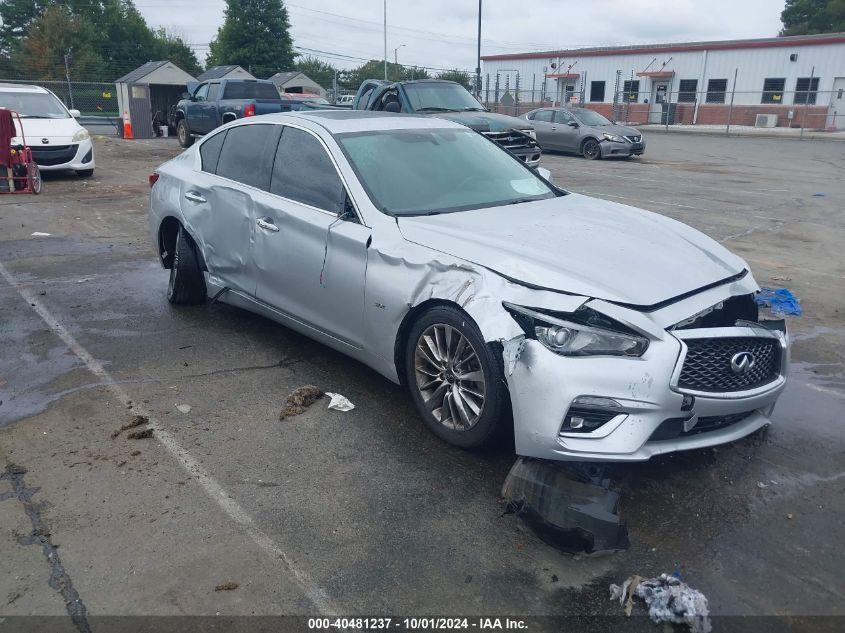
(766, 120)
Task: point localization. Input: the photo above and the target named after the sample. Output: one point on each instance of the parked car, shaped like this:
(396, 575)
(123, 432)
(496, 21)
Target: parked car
(451, 101)
(584, 131)
(57, 140)
(295, 101)
(345, 100)
(208, 105)
(425, 251)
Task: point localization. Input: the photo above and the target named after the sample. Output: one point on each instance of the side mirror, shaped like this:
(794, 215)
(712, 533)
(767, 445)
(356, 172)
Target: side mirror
(186, 95)
(572, 123)
(75, 113)
(545, 173)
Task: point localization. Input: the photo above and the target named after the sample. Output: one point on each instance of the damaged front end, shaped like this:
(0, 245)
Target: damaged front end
(608, 382)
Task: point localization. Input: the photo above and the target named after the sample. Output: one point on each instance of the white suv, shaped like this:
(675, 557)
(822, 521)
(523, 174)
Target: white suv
(57, 140)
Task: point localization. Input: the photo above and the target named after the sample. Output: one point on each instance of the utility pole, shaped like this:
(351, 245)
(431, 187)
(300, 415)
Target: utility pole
(385, 40)
(396, 54)
(478, 57)
(67, 76)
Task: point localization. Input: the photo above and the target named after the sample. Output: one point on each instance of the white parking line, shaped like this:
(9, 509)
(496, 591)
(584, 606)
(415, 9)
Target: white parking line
(610, 195)
(209, 485)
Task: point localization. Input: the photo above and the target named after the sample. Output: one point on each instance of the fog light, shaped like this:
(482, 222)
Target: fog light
(588, 413)
(688, 403)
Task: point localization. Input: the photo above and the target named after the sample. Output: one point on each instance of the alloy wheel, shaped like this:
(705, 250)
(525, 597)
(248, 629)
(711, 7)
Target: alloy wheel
(449, 377)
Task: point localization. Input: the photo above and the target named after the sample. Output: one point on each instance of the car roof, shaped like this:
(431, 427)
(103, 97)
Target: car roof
(340, 121)
(6, 87)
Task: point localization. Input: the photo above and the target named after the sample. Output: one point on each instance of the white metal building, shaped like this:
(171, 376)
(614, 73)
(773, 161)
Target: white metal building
(795, 79)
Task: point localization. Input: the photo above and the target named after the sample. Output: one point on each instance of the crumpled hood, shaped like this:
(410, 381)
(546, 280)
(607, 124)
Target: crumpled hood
(622, 130)
(56, 131)
(486, 121)
(581, 245)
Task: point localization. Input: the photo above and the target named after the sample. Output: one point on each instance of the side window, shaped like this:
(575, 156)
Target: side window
(365, 98)
(304, 172)
(562, 116)
(543, 115)
(201, 93)
(210, 151)
(247, 154)
(213, 91)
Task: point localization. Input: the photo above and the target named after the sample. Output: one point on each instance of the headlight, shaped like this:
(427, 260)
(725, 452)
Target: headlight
(613, 137)
(530, 133)
(81, 135)
(576, 334)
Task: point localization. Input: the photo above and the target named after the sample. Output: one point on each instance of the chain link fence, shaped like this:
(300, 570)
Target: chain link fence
(675, 107)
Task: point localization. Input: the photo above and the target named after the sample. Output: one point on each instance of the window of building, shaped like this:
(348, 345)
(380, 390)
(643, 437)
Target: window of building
(304, 172)
(597, 91)
(210, 151)
(245, 154)
(716, 89)
(805, 90)
(631, 91)
(773, 90)
(687, 90)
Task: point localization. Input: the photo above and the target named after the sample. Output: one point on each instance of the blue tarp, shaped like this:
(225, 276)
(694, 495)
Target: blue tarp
(780, 301)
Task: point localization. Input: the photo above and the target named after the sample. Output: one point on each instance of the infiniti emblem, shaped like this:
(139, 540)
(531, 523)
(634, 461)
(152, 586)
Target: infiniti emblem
(742, 362)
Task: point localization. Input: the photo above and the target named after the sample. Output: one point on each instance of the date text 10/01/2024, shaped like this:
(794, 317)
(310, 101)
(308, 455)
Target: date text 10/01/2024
(422, 623)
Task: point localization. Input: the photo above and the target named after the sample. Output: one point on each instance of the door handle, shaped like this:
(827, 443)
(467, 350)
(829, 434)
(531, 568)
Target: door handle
(266, 225)
(193, 196)
(554, 127)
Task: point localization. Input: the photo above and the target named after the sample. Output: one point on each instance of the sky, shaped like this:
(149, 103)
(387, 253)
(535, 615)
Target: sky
(442, 33)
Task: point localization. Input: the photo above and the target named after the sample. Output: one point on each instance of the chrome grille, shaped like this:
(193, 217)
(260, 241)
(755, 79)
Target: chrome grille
(512, 140)
(707, 366)
(634, 139)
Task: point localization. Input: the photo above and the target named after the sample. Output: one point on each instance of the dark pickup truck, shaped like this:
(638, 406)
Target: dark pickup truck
(208, 105)
(450, 100)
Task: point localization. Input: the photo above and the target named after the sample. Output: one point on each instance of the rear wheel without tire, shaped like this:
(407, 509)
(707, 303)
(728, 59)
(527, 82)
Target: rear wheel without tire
(187, 284)
(590, 149)
(184, 134)
(455, 378)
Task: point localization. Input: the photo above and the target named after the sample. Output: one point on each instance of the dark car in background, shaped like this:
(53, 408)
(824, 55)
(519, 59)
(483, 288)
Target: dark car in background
(584, 131)
(450, 100)
(209, 105)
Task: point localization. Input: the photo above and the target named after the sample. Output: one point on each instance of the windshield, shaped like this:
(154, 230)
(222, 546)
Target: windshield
(440, 96)
(37, 105)
(424, 172)
(588, 117)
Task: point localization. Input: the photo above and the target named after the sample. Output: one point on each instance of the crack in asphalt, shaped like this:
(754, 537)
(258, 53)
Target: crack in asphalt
(60, 581)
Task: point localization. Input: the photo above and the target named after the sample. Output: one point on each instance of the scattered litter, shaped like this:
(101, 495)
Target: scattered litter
(789, 516)
(339, 402)
(40, 234)
(781, 278)
(299, 400)
(135, 453)
(569, 506)
(761, 485)
(780, 301)
(818, 195)
(227, 586)
(143, 434)
(184, 408)
(135, 420)
(668, 600)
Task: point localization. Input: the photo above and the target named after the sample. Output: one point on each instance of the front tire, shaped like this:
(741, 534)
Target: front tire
(590, 149)
(84, 173)
(187, 284)
(456, 380)
(184, 134)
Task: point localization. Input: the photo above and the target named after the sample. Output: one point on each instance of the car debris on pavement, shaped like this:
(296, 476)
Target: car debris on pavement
(668, 599)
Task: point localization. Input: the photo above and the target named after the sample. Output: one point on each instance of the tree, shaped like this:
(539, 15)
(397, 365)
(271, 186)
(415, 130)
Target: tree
(256, 35)
(459, 76)
(374, 69)
(316, 69)
(171, 46)
(805, 17)
(125, 40)
(16, 17)
(56, 33)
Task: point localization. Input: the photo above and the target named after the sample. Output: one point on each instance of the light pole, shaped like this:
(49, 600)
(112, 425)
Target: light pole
(385, 40)
(478, 59)
(396, 54)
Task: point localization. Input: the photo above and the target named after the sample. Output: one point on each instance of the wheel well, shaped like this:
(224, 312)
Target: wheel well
(167, 232)
(179, 116)
(229, 116)
(405, 327)
(589, 138)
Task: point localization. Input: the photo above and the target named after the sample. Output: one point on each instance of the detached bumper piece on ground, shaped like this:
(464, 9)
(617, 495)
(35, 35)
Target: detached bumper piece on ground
(568, 505)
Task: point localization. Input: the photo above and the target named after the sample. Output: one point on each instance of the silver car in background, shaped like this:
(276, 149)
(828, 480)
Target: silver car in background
(586, 132)
(426, 251)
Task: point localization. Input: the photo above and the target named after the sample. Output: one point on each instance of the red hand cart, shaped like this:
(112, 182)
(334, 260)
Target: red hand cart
(23, 175)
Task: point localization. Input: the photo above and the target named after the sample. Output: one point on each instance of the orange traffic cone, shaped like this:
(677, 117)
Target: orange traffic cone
(127, 126)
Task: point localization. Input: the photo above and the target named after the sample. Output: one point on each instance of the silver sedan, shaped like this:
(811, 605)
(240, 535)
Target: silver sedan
(424, 250)
(586, 132)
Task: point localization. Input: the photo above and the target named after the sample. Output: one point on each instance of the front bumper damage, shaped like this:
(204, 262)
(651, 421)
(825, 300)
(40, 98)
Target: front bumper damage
(610, 149)
(656, 415)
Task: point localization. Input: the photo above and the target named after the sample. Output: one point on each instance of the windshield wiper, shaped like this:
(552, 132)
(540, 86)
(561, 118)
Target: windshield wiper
(473, 109)
(521, 200)
(35, 116)
(435, 109)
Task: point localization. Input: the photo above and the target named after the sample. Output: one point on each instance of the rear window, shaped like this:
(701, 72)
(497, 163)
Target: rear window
(250, 90)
